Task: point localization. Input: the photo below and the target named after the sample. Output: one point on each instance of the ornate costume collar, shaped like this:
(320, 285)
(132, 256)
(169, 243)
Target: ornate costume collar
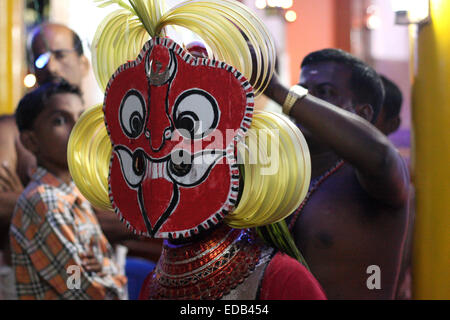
(207, 269)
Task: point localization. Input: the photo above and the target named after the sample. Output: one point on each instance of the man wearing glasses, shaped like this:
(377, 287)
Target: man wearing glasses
(55, 53)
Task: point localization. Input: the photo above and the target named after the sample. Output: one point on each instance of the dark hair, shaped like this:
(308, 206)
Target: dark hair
(393, 98)
(77, 45)
(32, 104)
(365, 82)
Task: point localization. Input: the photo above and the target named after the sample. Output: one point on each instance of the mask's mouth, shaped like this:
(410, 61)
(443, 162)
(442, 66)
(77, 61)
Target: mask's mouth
(181, 167)
(158, 181)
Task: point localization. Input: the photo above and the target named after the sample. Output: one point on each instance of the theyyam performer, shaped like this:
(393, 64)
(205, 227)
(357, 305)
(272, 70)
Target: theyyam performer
(178, 152)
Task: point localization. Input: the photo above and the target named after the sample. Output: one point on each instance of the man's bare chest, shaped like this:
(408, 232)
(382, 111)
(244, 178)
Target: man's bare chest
(338, 211)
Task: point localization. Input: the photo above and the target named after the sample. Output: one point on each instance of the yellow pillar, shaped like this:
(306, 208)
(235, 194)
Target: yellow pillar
(431, 122)
(12, 51)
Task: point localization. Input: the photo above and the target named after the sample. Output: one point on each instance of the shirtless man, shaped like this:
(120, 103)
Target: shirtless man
(352, 227)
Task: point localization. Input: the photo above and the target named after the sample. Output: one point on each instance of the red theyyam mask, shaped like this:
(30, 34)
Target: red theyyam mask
(173, 121)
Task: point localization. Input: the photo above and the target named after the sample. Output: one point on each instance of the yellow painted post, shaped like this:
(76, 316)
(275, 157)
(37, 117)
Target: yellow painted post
(12, 51)
(431, 149)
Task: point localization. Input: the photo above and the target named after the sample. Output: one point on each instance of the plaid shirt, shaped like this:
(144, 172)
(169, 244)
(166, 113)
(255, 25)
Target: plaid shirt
(52, 226)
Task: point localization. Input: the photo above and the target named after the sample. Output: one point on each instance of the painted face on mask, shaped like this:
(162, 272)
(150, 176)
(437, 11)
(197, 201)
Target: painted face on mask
(174, 121)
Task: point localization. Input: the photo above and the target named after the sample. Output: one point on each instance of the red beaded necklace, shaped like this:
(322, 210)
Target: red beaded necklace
(314, 186)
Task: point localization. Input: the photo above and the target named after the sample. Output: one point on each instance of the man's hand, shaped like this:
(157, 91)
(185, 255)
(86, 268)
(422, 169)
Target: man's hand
(9, 181)
(90, 263)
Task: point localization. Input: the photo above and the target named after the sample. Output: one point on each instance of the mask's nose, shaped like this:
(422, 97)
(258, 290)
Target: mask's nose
(159, 125)
(160, 197)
